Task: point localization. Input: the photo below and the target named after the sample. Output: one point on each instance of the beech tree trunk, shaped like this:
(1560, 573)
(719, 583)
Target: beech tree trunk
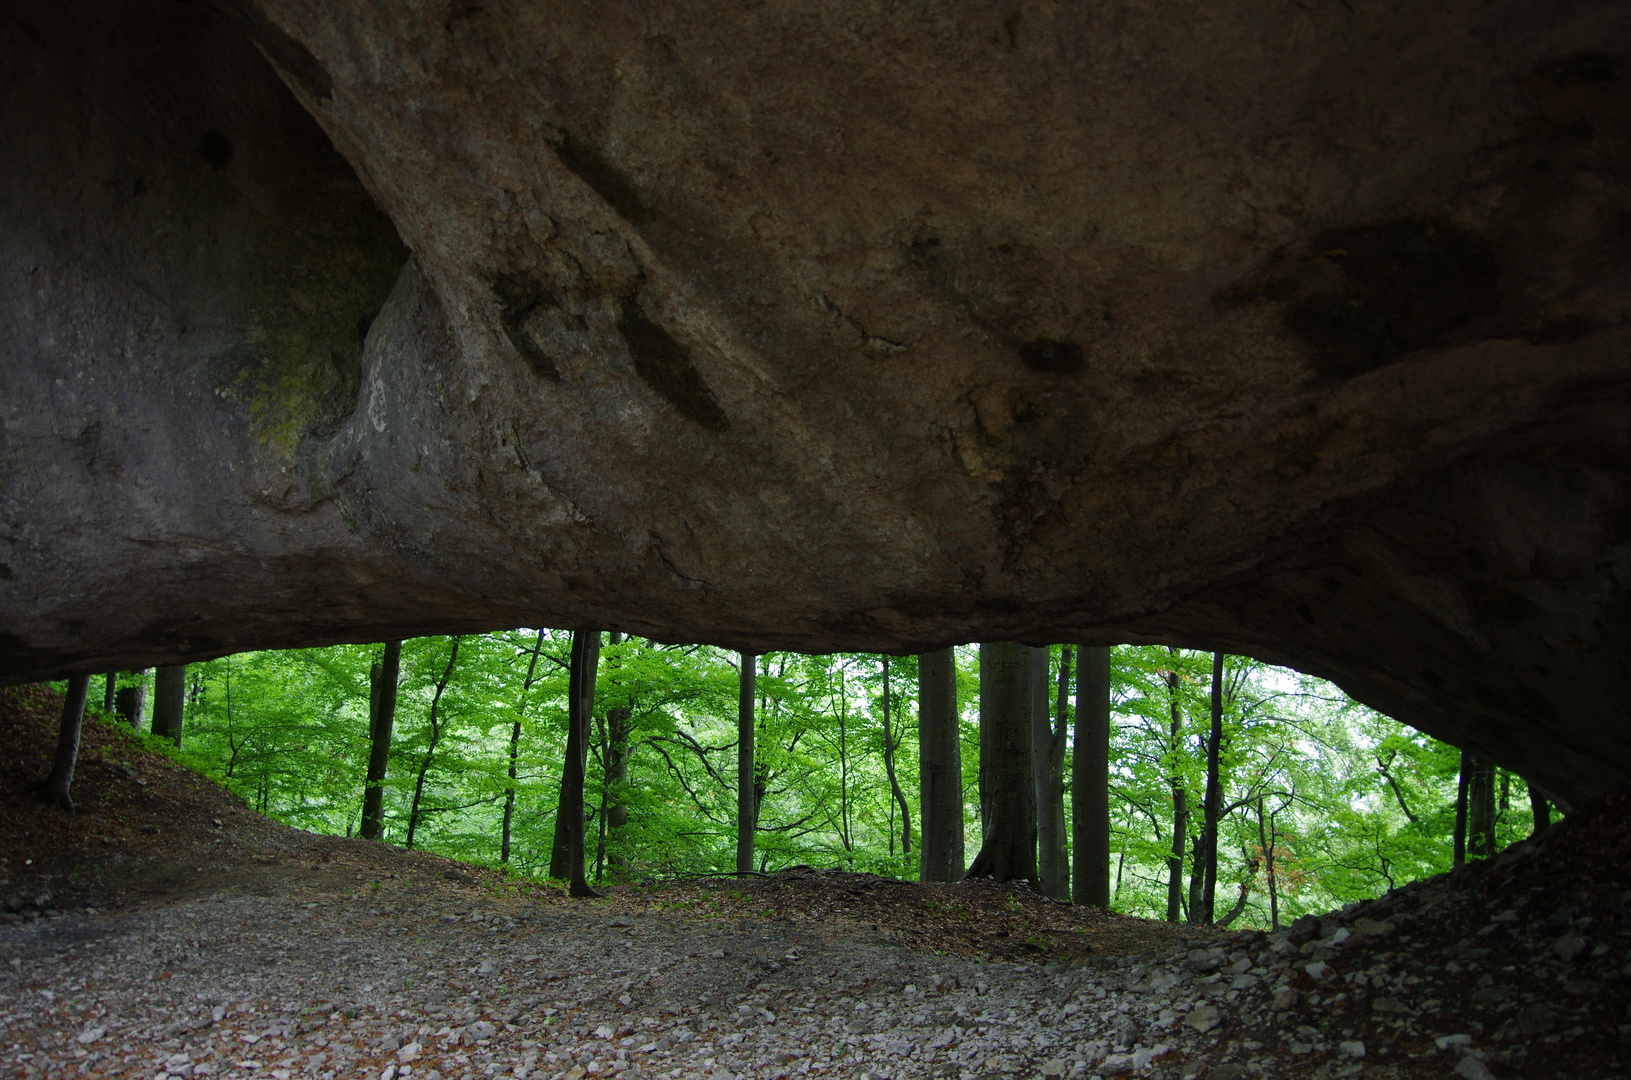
(1266, 846)
(939, 768)
(130, 701)
(435, 740)
(1007, 769)
(889, 768)
(1197, 861)
(1462, 782)
(1090, 786)
(618, 720)
(843, 771)
(382, 680)
(580, 705)
(613, 770)
(108, 689)
(1180, 807)
(169, 701)
(560, 858)
(1056, 770)
(617, 775)
(515, 747)
(1053, 866)
(747, 811)
(1481, 809)
(55, 791)
(1214, 798)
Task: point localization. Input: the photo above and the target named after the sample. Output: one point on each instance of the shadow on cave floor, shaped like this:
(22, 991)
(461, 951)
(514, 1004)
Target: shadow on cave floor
(1520, 967)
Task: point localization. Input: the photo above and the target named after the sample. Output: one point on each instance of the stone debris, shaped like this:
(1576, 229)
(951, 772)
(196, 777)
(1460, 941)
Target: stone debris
(1508, 969)
(1203, 1018)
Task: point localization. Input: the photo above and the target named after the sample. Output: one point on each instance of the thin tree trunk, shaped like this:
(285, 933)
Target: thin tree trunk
(1462, 781)
(382, 680)
(1090, 787)
(1041, 739)
(1180, 806)
(580, 705)
(1056, 773)
(560, 858)
(1197, 862)
(435, 740)
(515, 747)
(108, 689)
(889, 769)
(605, 796)
(940, 768)
(761, 773)
(55, 791)
(843, 765)
(1539, 807)
(1267, 846)
(1053, 868)
(617, 763)
(617, 774)
(233, 744)
(1234, 912)
(1214, 796)
(746, 811)
(1481, 809)
(1240, 901)
(169, 701)
(1007, 768)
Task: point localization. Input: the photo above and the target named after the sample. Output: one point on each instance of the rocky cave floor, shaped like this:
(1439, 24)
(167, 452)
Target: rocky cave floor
(167, 930)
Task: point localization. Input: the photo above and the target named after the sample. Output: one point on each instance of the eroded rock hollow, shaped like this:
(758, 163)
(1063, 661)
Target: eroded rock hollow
(1296, 330)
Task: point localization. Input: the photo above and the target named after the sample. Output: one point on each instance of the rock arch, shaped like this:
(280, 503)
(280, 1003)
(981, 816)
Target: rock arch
(1299, 334)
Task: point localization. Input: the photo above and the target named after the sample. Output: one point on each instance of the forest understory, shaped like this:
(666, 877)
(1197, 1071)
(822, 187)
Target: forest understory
(167, 930)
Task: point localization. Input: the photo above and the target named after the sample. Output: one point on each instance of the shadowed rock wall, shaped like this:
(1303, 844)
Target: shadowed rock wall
(1296, 331)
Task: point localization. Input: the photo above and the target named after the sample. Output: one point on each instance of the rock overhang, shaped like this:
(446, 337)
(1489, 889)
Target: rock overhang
(1301, 337)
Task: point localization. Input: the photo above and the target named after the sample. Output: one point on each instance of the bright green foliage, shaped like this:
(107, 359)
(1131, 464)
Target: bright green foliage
(1348, 802)
(1305, 776)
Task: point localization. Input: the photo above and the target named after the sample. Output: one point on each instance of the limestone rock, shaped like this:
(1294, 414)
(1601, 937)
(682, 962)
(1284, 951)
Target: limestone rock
(1203, 1018)
(1568, 946)
(1299, 335)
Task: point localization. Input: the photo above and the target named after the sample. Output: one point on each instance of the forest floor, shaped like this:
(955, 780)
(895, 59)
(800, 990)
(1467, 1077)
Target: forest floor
(167, 930)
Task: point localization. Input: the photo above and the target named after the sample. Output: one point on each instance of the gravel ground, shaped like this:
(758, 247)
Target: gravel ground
(334, 986)
(404, 979)
(222, 944)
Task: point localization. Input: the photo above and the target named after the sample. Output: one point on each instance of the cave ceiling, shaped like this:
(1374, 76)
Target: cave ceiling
(1296, 330)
